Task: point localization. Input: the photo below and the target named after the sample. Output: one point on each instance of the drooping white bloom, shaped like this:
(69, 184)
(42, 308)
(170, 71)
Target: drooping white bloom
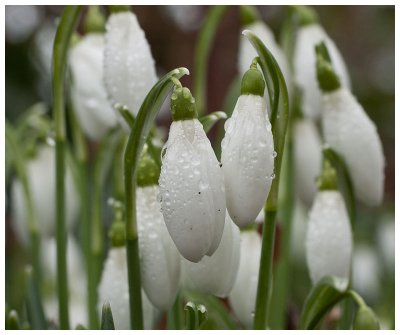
(304, 60)
(247, 51)
(217, 273)
(247, 159)
(129, 70)
(329, 237)
(76, 281)
(243, 295)
(114, 289)
(42, 180)
(159, 259)
(88, 92)
(192, 191)
(350, 132)
(366, 270)
(307, 148)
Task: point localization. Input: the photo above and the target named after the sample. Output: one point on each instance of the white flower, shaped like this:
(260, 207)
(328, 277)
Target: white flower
(247, 51)
(88, 92)
(329, 237)
(192, 191)
(350, 132)
(129, 70)
(76, 280)
(304, 60)
(307, 146)
(114, 289)
(243, 295)
(159, 259)
(247, 159)
(41, 175)
(217, 273)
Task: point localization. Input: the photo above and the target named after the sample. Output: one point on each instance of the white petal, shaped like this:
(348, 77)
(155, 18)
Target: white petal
(217, 273)
(88, 91)
(329, 237)
(349, 131)
(247, 159)
(192, 191)
(243, 295)
(247, 51)
(159, 259)
(304, 60)
(41, 177)
(307, 148)
(77, 310)
(129, 70)
(113, 288)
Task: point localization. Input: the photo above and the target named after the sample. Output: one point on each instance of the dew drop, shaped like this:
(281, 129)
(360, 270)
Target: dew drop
(274, 154)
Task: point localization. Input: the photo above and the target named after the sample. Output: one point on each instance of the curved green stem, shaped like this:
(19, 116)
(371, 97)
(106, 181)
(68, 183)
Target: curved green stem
(278, 95)
(137, 138)
(203, 47)
(64, 32)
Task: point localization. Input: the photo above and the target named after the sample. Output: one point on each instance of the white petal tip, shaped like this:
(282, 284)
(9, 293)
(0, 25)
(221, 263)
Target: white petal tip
(246, 32)
(183, 70)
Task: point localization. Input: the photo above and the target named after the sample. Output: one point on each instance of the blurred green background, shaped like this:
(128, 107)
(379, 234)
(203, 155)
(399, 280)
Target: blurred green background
(365, 35)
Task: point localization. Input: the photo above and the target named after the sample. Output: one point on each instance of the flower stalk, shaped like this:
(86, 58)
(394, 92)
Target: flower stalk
(65, 29)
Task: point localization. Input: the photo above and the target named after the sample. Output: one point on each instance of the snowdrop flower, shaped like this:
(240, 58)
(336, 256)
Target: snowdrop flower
(307, 156)
(329, 236)
(217, 273)
(352, 134)
(76, 280)
(129, 70)
(41, 177)
(114, 289)
(159, 259)
(192, 191)
(248, 152)
(247, 52)
(304, 59)
(88, 92)
(243, 295)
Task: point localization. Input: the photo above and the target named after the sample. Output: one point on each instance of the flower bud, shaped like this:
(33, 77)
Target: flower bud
(114, 289)
(243, 295)
(216, 274)
(304, 60)
(192, 191)
(365, 319)
(329, 237)
(352, 134)
(88, 92)
(159, 259)
(129, 70)
(247, 158)
(41, 177)
(307, 156)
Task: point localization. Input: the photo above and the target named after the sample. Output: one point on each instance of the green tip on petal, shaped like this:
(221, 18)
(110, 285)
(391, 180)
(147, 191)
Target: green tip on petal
(248, 15)
(328, 178)
(148, 171)
(327, 78)
(183, 106)
(365, 319)
(306, 15)
(95, 20)
(253, 82)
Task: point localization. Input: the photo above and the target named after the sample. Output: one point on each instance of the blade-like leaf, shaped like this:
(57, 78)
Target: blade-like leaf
(211, 119)
(34, 305)
(12, 321)
(191, 316)
(107, 320)
(323, 296)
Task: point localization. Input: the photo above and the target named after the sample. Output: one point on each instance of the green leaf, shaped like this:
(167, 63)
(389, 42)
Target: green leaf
(208, 121)
(126, 114)
(34, 305)
(13, 321)
(107, 320)
(195, 315)
(323, 296)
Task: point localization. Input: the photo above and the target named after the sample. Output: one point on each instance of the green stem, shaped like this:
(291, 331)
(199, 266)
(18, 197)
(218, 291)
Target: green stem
(175, 317)
(64, 32)
(143, 123)
(203, 47)
(20, 166)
